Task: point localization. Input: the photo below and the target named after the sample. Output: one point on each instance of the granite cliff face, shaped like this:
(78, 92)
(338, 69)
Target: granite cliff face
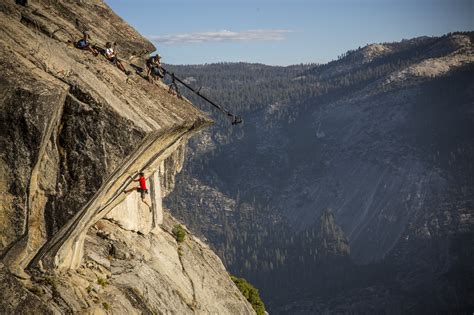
(75, 129)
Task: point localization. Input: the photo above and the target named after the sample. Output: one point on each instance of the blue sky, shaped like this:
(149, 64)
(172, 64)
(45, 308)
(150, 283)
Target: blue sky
(283, 32)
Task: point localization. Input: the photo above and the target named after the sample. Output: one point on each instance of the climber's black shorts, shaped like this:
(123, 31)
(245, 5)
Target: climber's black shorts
(142, 192)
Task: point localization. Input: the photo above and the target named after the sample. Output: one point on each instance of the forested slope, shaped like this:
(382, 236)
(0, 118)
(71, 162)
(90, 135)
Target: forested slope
(380, 140)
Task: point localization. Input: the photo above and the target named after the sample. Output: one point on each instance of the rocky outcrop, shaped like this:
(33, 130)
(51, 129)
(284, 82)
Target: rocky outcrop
(124, 272)
(331, 237)
(75, 131)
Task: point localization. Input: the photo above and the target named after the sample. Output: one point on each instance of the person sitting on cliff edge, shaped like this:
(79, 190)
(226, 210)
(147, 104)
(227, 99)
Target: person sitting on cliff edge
(141, 188)
(153, 67)
(111, 56)
(84, 44)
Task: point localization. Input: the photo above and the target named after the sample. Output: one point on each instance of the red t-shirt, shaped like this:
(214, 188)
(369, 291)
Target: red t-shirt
(142, 181)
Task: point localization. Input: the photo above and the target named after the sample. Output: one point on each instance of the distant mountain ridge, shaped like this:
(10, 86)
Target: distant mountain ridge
(383, 136)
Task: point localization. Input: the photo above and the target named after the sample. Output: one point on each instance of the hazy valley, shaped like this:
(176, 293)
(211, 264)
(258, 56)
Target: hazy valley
(350, 185)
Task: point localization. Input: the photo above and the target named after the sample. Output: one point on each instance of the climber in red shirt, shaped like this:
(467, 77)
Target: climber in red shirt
(141, 188)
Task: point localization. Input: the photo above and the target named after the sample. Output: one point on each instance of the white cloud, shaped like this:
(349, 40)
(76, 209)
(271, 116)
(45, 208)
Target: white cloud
(221, 36)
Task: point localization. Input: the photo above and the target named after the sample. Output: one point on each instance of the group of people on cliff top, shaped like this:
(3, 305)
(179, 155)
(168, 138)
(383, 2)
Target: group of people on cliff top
(154, 70)
(108, 52)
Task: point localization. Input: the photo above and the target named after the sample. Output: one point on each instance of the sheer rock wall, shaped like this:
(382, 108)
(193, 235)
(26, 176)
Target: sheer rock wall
(75, 130)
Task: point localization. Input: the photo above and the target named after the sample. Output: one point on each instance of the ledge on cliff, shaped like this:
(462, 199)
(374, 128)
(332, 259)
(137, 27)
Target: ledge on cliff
(73, 122)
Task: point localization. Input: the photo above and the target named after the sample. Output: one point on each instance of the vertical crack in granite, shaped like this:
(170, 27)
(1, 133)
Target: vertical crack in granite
(64, 250)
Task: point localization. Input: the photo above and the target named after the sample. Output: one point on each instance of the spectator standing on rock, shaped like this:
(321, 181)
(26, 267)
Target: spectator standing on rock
(173, 87)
